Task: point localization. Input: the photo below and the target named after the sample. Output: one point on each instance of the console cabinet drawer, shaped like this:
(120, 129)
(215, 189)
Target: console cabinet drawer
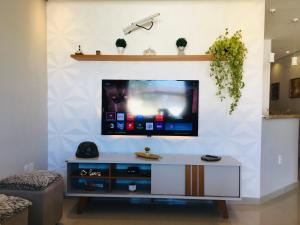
(168, 179)
(222, 181)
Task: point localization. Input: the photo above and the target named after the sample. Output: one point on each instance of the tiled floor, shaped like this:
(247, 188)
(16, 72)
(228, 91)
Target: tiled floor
(280, 211)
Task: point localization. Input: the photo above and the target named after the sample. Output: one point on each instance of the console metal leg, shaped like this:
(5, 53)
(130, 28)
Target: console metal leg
(82, 204)
(222, 208)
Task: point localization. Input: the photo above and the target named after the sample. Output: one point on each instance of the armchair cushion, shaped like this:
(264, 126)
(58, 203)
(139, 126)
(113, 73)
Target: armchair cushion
(10, 205)
(32, 181)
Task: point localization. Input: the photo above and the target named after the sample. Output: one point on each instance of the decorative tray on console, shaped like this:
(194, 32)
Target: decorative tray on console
(147, 155)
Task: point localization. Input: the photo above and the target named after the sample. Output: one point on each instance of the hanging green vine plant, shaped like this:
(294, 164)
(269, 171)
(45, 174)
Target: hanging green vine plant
(226, 67)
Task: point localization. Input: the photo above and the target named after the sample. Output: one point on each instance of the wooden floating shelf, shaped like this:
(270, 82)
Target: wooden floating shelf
(142, 57)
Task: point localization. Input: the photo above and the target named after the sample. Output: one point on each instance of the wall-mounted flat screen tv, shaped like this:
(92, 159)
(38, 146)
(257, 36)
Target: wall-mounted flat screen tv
(150, 107)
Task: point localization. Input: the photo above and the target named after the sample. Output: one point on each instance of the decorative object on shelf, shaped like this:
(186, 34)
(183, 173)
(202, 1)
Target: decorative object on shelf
(149, 51)
(98, 52)
(141, 24)
(90, 172)
(121, 45)
(211, 158)
(83, 173)
(132, 187)
(148, 155)
(91, 186)
(147, 150)
(145, 173)
(87, 149)
(275, 91)
(79, 51)
(181, 44)
(133, 170)
(94, 173)
(295, 88)
(228, 54)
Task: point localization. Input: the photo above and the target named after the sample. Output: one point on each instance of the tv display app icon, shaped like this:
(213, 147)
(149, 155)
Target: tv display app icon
(149, 126)
(159, 117)
(170, 126)
(120, 125)
(110, 116)
(130, 126)
(110, 126)
(139, 118)
(159, 126)
(120, 116)
(139, 125)
(130, 117)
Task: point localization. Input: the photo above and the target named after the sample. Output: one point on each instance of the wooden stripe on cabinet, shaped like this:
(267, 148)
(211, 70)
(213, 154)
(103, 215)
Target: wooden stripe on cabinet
(194, 180)
(201, 180)
(187, 180)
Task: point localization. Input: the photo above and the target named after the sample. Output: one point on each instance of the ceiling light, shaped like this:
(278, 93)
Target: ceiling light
(294, 61)
(287, 52)
(273, 10)
(272, 57)
(294, 57)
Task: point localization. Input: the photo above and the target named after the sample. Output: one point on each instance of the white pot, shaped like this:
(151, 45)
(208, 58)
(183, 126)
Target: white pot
(121, 50)
(181, 50)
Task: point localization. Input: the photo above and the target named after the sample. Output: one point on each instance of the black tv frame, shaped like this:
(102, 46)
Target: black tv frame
(193, 133)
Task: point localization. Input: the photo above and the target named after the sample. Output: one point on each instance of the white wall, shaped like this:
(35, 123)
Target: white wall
(283, 72)
(75, 87)
(23, 85)
(279, 139)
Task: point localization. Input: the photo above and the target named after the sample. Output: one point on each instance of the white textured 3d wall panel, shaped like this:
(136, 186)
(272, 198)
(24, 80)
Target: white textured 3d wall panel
(74, 87)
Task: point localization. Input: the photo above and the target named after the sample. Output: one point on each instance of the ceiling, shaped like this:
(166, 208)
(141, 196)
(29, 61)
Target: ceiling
(284, 33)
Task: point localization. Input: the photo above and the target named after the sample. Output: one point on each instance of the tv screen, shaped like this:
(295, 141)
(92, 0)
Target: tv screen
(150, 107)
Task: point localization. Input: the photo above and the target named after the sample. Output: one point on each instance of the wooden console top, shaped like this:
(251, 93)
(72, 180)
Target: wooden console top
(174, 159)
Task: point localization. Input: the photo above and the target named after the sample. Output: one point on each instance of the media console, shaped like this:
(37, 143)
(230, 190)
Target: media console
(173, 176)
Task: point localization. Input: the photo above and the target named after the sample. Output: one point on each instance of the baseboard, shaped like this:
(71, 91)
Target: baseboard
(245, 201)
(267, 197)
(279, 192)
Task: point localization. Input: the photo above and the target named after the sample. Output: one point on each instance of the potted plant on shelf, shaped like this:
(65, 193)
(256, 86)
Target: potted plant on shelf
(228, 56)
(121, 45)
(181, 44)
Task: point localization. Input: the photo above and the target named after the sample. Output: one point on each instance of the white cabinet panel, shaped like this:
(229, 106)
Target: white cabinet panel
(168, 179)
(221, 181)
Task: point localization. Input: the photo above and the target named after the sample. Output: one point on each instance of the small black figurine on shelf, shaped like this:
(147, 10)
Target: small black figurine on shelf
(79, 52)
